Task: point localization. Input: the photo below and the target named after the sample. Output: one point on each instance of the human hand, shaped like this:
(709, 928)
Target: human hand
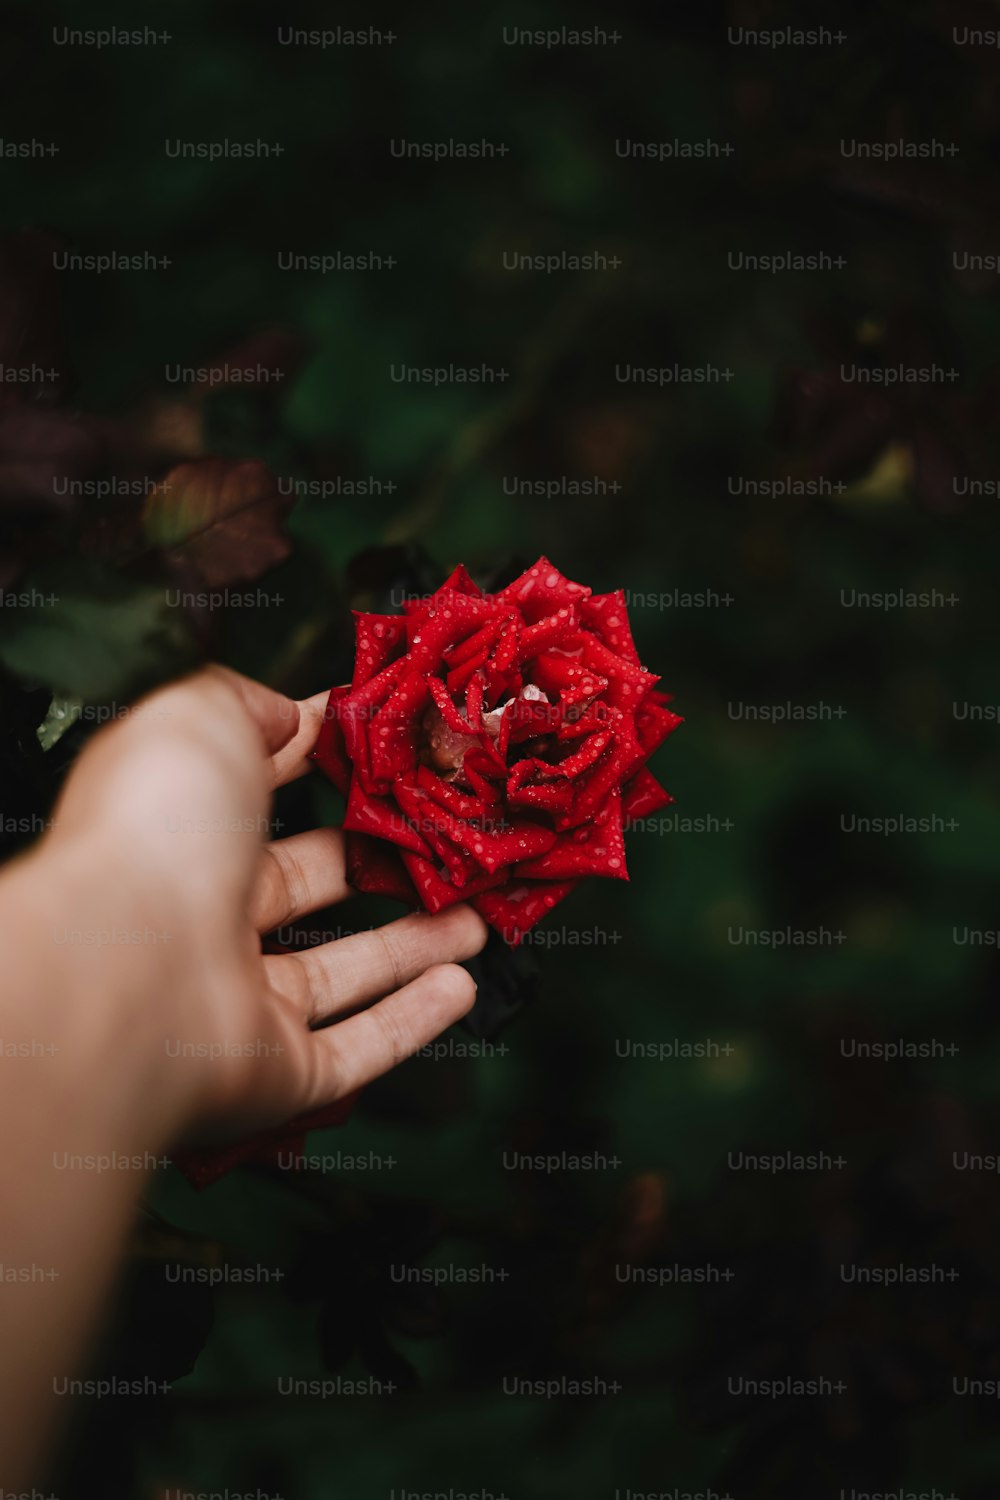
(159, 833)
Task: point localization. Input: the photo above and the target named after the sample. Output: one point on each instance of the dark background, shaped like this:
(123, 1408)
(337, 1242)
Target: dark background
(757, 842)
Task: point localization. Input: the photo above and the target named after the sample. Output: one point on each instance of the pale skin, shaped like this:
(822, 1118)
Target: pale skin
(135, 924)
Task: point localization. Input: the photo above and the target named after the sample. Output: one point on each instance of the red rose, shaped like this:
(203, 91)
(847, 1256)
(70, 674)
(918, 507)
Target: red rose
(492, 747)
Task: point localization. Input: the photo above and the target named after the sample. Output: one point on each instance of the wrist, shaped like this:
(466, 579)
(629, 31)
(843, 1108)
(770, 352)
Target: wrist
(93, 977)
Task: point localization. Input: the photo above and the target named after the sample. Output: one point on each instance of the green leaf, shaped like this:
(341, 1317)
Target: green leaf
(62, 714)
(90, 635)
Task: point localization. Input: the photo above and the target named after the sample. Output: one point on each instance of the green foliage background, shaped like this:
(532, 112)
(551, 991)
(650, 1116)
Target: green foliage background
(888, 518)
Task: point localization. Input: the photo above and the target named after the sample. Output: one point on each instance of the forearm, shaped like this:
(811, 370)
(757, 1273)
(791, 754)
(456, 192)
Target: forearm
(138, 923)
(82, 1119)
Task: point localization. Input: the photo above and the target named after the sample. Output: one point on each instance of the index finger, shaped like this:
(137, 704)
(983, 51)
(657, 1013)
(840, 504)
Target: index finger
(277, 718)
(292, 760)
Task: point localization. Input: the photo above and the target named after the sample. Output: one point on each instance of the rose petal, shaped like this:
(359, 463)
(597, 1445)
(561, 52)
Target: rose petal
(528, 718)
(597, 848)
(460, 677)
(592, 790)
(382, 818)
(436, 893)
(486, 758)
(495, 850)
(589, 753)
(541, 590)
(479, 643)
(590, 719)
(532, 785)
(395, 730)
(438, 826)
(329, 751)
(607, 616)
(357, 709)
(505, 655)
(478, 767)
(461, 583)
(515, 907)
(550, 631)
(568, 770)
(474, 701)
(491, 849)
(627, 683)
(377, 868)
(654, 723)
(460, 803)
(449, 618)
(377, 640)
(572, 683)
(643, 795)
(447, 708)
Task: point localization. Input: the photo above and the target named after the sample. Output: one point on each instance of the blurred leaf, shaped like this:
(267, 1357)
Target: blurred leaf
(94, 635)
(225, 517)
(42, 447)
(62, 715)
